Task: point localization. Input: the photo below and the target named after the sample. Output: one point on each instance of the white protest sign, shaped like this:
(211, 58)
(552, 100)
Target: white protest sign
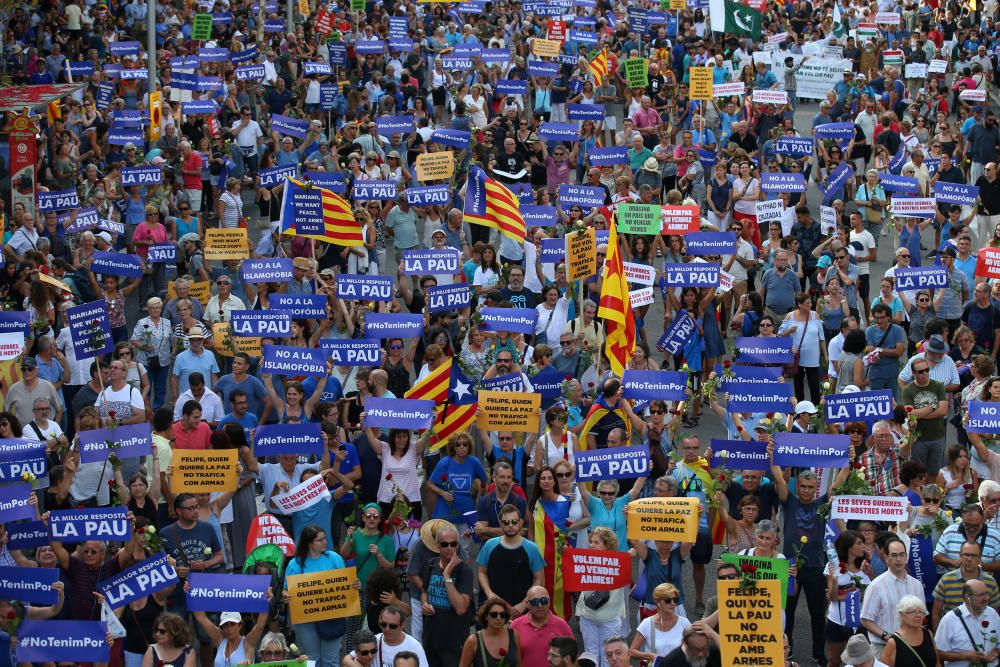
(639, 273)
(973, 95)
(833, 51)
(762, 57)
(887, 18)
(306, 494)
(937, 66)
(816, 77)
(727, 89)
(725, 282)
(641, 297)
(772, 210)
(916, 71)
(779, 97)
(11, 345)
(916, 207)
(827, 220)
(869, 508)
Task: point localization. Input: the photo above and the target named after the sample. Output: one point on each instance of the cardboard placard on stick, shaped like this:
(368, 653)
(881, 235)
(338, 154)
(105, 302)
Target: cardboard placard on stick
(226, 244)
(323, 595)
(636, 218)
(750, 623)
(435, 166)
(545, 48)
(201, 29)
(663, 519)
(202, 291)
(701, 83)
(764, 569)
(636, 72)
(581, 254)
(204, 471)
(509, 411)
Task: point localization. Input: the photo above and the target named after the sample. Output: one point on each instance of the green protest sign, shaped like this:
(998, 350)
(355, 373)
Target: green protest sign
(636, 73)
(638, 218)
(766, 568)
(202, 28)
(357, 5)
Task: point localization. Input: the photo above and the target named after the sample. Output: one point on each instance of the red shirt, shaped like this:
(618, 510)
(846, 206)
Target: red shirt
(535, 641)
(197, 439)
(191, 162)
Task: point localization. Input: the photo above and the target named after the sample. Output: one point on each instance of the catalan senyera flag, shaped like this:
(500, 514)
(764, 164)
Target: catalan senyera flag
(434, 387)
(489, 203)
(599, 66)
(54, 110)
(317, 213)
(615, 308)
(449, 420)
(597, 412)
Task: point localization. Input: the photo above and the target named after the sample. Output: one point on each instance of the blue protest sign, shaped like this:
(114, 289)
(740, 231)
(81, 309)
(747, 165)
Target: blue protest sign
(116, 264)
(15, 322)
(373, 46)
(539, 215)
(227, 592)
(334, 181)
(495, 56)
(655, 385)
(710, 243)
(921, 277)
(468, 50)
(691, 274)
(162, 253)
(677, 334)
(374, 190)
(142, 175)
(740, 455)
(131, 440)
(291, 127)
(512, 87)
(129, 48)
(389, 125)
(983, 417)
(584, 196)
(294, 361)
(835, 181)
(275, 175)
(861, 406)
(60, 200)
(431, 262)
(808, 450)
(86, 218)
(398, 27)
(757, 350)
(453, 138)
(852, 609)
(793, 146)
(400, 45)
(398, 413)
(456, 64)
(513, 320)
(105, 94)
(80, 68)
(103, 524)
(327, 96)
(90, 329)
(553, 251)
(750, 374)
(213, 55)
(185, 81)
(27, 535)
(338, 53)
(131, 118)
(898, 160)
(613, 463)
(583, 37)
(14, 502)
(111, 227)
(274, 25)
(244, 56)
(508, 382)
(62, 641)
(272, 270)
(956, 193)
(548, 383)
(264, 323)
(921, 562)
(427, 195)
(250, 73)
(120, 137)
(601, 157)
(541, 68)
(594, 112)
(137, 74)
(364, 288)
(316, 69)
(758, 397)
(448, 297)
(835, 131)
(393, 325)
(141, 580)
(779, 182)
(29, 584)
(277, 439)
(20, 457)
(305, 306)
(357, 352)
(559, 132)
(905, 184)
(112, 71)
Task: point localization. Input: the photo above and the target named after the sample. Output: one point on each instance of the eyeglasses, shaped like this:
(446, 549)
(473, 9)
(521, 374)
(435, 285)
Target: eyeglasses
(499, 614)
(564, 475)
(163, 631)
(388, 626)
(657, 412)
(921, 371)
(607, 493)
(124, 352)
(223, 282)
(371, 651)
(25, 369)
(565, 343)
(373, 516)
(448, 545)
(538, 602)
(932, 500)
(91, 551)
(510, 522)
(395, 347)
(765, 324)
(855, 431)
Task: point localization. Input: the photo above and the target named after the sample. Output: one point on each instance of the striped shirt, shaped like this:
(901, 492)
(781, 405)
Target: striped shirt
(949, 589)
(953, 537)
(881, 597)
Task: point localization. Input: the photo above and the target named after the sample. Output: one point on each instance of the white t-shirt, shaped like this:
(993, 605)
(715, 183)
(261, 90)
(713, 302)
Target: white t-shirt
(386, 653)
(743, 251)
(658, 641)
(51, 430)
(865, 238)
(126, 402)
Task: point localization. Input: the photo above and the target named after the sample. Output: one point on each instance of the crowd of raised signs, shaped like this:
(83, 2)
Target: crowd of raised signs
(252, 331)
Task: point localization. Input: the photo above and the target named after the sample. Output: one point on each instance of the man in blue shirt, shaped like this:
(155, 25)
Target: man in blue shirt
(240, 414)
(890, 340)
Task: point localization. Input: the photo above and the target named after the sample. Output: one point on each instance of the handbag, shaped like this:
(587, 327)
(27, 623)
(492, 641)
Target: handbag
(792, 369)
(597, 599)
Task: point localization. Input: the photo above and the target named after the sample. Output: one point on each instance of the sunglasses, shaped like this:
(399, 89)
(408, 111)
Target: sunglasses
(448, 545)
(388, 626)
(373, 516)
(607, 493)
(932, 500)
(922, 371)
(538, 602)
(395, 347)
(499, 614)
(160, 631)
(855, 431)
(510, 522)
(673, 600)
(371, 651)
(657, 412)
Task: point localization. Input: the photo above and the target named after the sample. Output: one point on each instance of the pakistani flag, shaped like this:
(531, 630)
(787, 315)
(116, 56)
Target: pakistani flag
(839, 27)
(739, 19)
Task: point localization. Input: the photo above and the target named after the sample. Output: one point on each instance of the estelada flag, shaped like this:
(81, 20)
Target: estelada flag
(615, 307)
(434, 387)
(490, 204)
(451, 419)
(595, 570)
(317, 213)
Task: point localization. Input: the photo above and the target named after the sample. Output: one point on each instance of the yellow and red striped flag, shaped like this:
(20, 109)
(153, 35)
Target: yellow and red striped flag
(317, 213)
(54, 110)
(434, 387)
(615, 308)
(451, 419)
(599, 66)
(489, 203)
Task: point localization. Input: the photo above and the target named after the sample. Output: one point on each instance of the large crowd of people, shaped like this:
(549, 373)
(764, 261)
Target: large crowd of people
(458, 541)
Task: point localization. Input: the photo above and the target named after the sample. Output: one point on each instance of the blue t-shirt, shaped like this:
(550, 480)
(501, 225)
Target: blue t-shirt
(328, 560)
(347, 465)
(247, 422)
(319, 514)
(662, 573)
(535, 560)
(458, 478)
(886, 367)
(613, 518)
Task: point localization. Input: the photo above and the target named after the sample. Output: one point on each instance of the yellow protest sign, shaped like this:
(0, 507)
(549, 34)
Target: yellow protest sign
(323, 595)
(663, 519)
(435, 166)
(678, 4)
(509, 411)
(226, 244)
(304, 7)
(701, 83)
(222, 338)
(545, 48)
(54, 282)
(155, 115)
(581, 254)
(204, 470)
(202, 291)
(750, 623)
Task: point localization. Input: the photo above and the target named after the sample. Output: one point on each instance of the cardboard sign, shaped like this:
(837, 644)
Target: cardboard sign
(984, 417)
(201, 29)
(701, 83)
(62, 641)
(142, 579)
(266, 529)
(595, 570)
(866, 406)
(636, 72)
(398, 413)
(866, 508)
(294, 361)
(361, 352)
(90, 329)
(640, 274)
(680, 219)
(303, 496)
(29, 584)
(204, 471)
(278, 439)
(663, 519)
(545, 48)
(634, 218)
(767, 569)
(323, 595)
(11, 346)
(581, 254)
(740, 455)
(750, 627)
(435, 166)
(811, 450)
(988, 263)
(228, 592)
(202, 291)
(226, 244)
(509, 411)
(103, 525)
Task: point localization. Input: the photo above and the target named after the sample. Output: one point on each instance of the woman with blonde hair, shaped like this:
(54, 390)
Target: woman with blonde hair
(601, 612)
(660, 633)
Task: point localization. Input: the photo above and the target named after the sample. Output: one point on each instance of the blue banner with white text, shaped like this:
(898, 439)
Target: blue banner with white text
(398, 413)
(811, 450)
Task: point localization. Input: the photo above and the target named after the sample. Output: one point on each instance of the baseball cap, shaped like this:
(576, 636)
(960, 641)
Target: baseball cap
(29, 362)
(105, 236)
(230, 617)
(949, 251)
(805, 407)
(190, 237)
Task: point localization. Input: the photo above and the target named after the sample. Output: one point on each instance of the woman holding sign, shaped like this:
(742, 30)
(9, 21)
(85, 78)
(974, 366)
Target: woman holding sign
(844, 579)
(293, 406)
(233, 648)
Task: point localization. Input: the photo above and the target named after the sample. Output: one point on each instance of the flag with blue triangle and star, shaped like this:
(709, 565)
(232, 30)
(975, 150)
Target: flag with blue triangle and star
(460, 388)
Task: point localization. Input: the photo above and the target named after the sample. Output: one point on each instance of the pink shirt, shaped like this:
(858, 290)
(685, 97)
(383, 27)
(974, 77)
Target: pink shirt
(196, 439)
(555, 175)
(535, 641)
(645, 119)
(158, 234)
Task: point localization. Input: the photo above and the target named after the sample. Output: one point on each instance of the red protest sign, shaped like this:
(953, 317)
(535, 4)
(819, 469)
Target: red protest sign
(680, 219)
(988, 263)
(324, 22)
(595, 570)
(266, 529)
(556, 30)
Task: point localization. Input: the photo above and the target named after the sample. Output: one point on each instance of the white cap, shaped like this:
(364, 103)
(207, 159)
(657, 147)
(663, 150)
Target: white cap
(851, 389)
(230, 617)
(105, 236)
(805, 407)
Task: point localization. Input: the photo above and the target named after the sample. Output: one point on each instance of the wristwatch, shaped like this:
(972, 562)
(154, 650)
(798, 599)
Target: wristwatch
(885, 635)
(449, 580)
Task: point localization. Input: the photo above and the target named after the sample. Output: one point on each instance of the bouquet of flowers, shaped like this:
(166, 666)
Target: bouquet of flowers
(96, 336)
(151, 539)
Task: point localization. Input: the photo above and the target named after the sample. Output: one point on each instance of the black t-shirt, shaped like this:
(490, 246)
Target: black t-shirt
(766, 495)
(510, 163)
(890, 140)
(444, 630)
(522, 299)
(677, 658)
(747, 143)
(989, 195)
(655, 84)
(510, 572)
